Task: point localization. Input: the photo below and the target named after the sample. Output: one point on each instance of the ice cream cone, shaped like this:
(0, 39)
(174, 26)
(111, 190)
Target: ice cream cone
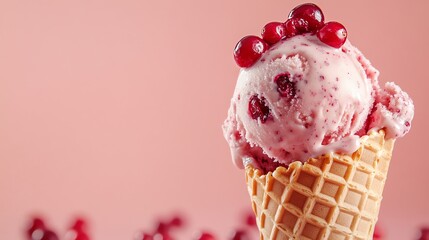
(330, 197)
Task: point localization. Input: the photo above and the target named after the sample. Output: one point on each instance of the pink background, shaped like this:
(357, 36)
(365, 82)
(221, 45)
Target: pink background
(112, 109)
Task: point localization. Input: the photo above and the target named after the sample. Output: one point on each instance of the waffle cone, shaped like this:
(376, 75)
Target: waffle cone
(330, 197)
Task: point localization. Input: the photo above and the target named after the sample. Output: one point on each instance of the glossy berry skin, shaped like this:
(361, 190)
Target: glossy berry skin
(273, 32)
(295, 26)
(248, 50)
(333, 34)
(258, 109)
(206, 236)
(311, 13)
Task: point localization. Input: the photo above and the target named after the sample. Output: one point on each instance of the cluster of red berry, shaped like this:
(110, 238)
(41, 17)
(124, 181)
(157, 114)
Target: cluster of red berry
(305, 18)
(38, 230)
(164, 230)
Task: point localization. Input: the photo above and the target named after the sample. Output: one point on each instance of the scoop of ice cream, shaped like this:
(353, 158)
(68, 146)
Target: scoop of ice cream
(303, 98)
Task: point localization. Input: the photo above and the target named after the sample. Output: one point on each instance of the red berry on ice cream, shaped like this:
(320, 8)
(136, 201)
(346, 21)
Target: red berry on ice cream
(273, 32)
(258, 108)
(248, 50)
(311, 13)
(295, 26)
(285, 87)
(333, 34)
(332, 100)
(302, 105)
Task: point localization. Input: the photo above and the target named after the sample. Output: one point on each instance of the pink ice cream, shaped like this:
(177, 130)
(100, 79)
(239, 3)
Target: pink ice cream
(303, 98)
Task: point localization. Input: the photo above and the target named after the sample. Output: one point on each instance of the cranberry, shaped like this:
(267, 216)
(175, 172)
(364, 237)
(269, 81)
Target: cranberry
(162, 228)
(258, 108)
(162, 232)
(143, 236)
(378, 234)
(311, 13)
(50, 235)
(36, 223)
(285, 87)
(176, 221)
(78, 230)
(295, 26)
(424, 233)
(162, 236)
(82, 236)
(250, 219)
(206, 236)
(273, 32)
(79, 224)
(248, 50)
(40, 234)
(333, 34)
(240, 235)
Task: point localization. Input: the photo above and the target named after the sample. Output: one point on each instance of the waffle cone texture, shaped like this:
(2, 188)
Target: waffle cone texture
(331, 197)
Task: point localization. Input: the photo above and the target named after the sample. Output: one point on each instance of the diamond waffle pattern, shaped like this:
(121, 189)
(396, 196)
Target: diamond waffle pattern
(329, 197)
